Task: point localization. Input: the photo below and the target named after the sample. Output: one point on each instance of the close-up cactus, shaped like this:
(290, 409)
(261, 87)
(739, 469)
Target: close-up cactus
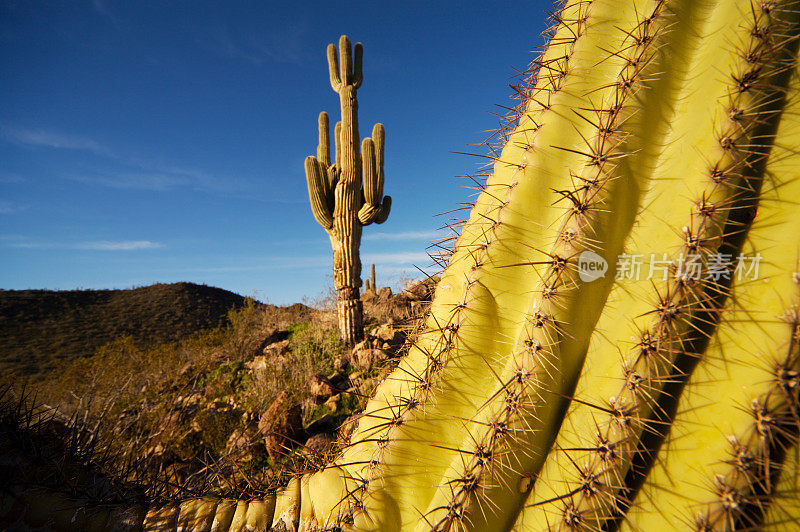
(347, 194)
(613, 343)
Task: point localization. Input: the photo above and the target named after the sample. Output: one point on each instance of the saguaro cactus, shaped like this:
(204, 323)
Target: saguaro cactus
(542, 395)
(347, 194)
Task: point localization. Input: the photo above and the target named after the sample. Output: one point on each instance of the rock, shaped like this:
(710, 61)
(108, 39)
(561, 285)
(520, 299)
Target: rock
(417, 291)
(275, 349)
(384, 293)
(339, 381)
(332, 403)
(389, 336)
(319, 445)
(320, 387)
(366, 357)
(259, 363)
(281, 425)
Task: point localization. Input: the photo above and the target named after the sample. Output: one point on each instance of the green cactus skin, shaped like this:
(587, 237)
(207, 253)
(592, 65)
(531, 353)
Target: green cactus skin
(536, 398)
(347, 194)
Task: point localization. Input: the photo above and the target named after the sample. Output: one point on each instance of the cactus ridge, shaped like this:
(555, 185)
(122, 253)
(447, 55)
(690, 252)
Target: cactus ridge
(529, 374)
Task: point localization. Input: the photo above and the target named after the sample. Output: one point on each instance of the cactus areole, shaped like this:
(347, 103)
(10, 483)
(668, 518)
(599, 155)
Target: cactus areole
(614, 343)
(347, 193)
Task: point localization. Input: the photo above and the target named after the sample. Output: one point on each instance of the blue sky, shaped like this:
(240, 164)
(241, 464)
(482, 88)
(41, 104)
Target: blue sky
(148, 141)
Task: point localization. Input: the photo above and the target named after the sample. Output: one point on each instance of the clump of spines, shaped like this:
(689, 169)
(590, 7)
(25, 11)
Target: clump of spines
(745, 491)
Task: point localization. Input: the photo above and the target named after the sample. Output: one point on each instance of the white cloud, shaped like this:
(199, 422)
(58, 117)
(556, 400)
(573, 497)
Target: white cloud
(50, 139)
(123, 171)
(125, 245)
(16, 241)
(402, 257)
(136, 181)
(404, 235)
(280, 45)
(6, 207)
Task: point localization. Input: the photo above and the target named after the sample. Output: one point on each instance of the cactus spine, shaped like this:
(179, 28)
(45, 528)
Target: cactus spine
(347, 194)
(539, 399)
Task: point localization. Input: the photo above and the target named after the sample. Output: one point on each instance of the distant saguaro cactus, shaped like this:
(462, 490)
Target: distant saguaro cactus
(347, 193)
(373, 286)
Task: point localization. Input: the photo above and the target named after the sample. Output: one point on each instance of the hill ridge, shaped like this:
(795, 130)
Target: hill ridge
(39, 328)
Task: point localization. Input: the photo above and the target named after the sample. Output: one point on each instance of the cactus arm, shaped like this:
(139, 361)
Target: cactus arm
(317, 197)
(386, 208)
(324, 146)
(373, 187)
(337, 135)
(374, 208)
(333, 69)
(358, 52)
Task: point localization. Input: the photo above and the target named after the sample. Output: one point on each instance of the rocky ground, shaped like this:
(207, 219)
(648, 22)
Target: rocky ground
(207, 426)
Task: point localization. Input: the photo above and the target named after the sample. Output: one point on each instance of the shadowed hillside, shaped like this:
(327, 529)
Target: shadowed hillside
(40, 328)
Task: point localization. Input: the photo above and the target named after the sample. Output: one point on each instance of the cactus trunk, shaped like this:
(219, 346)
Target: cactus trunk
(547, 392)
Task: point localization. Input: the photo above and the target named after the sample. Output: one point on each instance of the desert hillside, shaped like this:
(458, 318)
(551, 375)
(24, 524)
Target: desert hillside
(40, 329)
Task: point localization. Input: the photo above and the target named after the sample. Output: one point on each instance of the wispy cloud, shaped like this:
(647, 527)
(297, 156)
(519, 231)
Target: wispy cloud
(51, 139)
(125, 245)
(280, 45)
(402, 257)
(6, 207)
(16, 241)
(122, 171)
(397, 261)
(403, 235)
(137, 181)
(101, 8)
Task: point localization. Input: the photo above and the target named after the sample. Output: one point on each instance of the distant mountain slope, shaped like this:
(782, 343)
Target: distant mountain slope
(39, 327)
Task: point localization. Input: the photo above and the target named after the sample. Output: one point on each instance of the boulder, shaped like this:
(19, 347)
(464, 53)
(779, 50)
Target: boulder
(275, 349)
(384, 293)
(417, 291)
(389, 336)
(365, 357)
(319, 445)
(281, 425)
(320, 387)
